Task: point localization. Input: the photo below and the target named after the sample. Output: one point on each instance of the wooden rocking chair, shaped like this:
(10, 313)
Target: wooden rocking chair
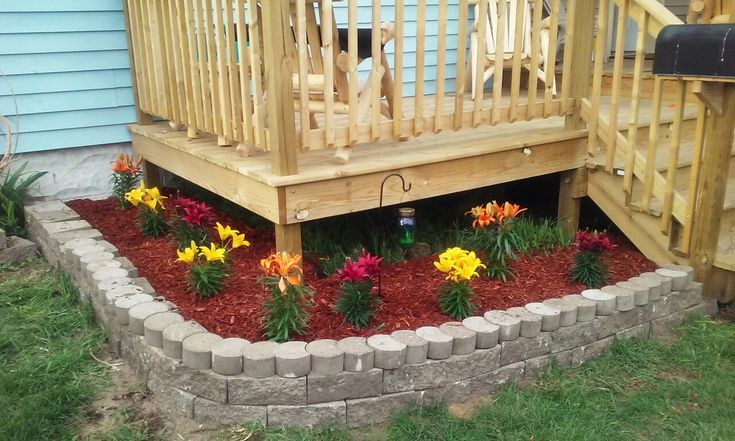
(340, 65)
(486, 53)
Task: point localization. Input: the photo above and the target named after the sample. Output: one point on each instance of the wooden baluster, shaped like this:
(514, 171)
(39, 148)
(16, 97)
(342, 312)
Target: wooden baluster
(693, 187)
(441, 60)
(460, 84)
(211, 57)
(327, 28)
(674, 143)
(245, 89)
(617, 83)
(352, 73)
(225, 136)
(186, 22)
(418, 125)
(550, 63)
(652, 142)
(256, 68)
(178, 43)
(535, 52)
(398, 70)
(499, 60)
(204, 77)
(301, 43)
(519, 29)
(169, 74)
(600, 43)
(640, 54)
(232, 70)
(479, 61)
(376, 77)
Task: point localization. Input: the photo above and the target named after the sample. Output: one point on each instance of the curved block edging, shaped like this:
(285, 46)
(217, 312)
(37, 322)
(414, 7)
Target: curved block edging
(354, 381)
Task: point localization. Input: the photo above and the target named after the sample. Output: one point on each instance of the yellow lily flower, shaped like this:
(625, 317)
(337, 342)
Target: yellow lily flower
(134, 196)
(213, 254)
(225, 232)
(444, 264)
(155, 198)
(238, 240)
(189, 254)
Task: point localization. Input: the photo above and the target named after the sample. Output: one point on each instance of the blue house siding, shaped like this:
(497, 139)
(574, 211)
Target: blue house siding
(64, 67)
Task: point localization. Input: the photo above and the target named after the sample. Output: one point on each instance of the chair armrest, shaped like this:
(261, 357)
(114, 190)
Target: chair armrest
(387, 32)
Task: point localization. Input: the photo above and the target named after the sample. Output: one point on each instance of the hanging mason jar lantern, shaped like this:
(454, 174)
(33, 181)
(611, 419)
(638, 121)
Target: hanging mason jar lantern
(406, 227)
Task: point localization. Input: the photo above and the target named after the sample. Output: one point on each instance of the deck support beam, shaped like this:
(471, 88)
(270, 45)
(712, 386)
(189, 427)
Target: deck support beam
(151, 174)
(572, 187)
(713, 184)
(288, 238)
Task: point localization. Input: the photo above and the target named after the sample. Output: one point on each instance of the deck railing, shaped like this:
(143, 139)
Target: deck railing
(203, 65)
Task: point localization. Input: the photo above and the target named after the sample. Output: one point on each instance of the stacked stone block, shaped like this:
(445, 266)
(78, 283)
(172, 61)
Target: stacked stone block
(354, 381)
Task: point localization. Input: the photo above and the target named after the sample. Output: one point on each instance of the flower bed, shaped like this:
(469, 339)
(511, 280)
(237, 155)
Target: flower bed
(409, 288)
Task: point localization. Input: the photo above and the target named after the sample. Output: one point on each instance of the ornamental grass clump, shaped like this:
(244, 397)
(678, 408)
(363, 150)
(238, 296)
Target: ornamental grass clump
(288, 299)
(208, 269)
(455, 295)
(125, 175)
(149, 201)
(495, 234)
(589, 267)
(190, 221)
(357, 299)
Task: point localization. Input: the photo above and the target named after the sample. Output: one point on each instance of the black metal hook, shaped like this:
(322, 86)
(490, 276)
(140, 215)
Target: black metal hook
(406, 188)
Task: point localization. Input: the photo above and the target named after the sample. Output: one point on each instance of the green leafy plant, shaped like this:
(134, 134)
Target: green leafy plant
(208, 269)
(149, 201)
(357, 301)
(589, 267)
(542, 237)
(288, 299)
(455, 295)
(14, 188)
(125, 175)
(495, 234)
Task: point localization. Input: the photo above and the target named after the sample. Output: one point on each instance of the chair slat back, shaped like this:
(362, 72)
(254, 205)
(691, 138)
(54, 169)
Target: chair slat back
(512, 9)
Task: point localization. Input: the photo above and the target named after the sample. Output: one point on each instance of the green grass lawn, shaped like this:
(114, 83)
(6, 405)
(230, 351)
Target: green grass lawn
(639, 390)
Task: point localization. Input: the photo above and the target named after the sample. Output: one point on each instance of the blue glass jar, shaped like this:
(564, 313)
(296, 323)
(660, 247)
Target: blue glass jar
(406, 227)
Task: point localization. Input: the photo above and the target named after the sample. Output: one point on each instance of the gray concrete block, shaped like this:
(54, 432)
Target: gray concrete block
(204, 383)
(654, 286)
(624, 298)
(326, 358)
(550, 316)
(524, 348)
(640, 331)
(344, 385)
(586, 309)
(641, 293)
(109, 273)
(259, 359)
(264, 391)
(665, 281)
(374, 410)
(487, 333)
(3, 239)
(492, 382)
(138, 313)
(175, 333)
(464, 339)
(593, 350)
(568, 315)
(679, 279)
(154, 325)
(227, 356)
(612, 324)
(389, 352)
(605, 302)
(292, 360)
(683, 268)
(179, 401)
(686, 298)
(17, 249)
(228, 414)
(439, 373)
(509, 326)
(313, 415)
(119, 291)
(530, 322)
(124, 303)
(359, 356)
(580, 334)
(417, 348)
(196, 350)
(440, 344)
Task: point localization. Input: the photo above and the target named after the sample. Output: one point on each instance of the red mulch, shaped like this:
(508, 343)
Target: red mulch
(409, 287)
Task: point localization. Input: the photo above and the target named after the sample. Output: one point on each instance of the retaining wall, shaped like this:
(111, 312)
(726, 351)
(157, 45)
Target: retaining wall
(354, 381)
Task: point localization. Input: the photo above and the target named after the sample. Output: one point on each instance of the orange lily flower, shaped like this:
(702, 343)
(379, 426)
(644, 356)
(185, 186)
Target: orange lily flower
(284, 266)
(125, 164)
(510, 211)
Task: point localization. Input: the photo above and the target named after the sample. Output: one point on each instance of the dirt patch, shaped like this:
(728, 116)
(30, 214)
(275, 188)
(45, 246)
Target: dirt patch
(409, 288)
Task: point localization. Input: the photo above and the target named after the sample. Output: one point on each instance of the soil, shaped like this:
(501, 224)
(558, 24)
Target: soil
(408, 288)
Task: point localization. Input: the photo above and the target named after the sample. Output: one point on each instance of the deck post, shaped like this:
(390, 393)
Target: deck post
(713, 184)
(151, 174)
(572, 187)
(288, 238)
(279, 87)
(141, 117)
(579, 47)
